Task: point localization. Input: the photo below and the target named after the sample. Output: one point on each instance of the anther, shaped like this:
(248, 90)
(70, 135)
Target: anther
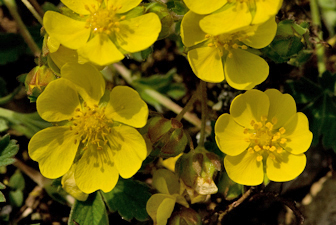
(259, 158)
(282, 130)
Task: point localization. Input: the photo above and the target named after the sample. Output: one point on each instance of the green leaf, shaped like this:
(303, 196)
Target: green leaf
(8, 148)
(16, 198)
(17, 181)
(320, 106)
(90, 212)
(129, 198)
(3, 125)
(2, 197)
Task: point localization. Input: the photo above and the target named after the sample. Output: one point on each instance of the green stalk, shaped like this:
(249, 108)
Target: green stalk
(316, 19)
(11, 5)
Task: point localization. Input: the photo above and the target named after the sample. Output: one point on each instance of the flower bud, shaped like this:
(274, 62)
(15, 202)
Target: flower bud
(37, 79)
(186, 216)
(167, 136)
(197, 169)
(164, 14)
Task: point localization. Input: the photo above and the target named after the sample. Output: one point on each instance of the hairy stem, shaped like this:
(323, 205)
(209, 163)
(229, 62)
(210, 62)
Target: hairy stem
(316, 19)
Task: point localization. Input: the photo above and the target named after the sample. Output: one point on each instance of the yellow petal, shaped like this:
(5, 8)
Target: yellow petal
(206, 64)
(244, 169)
(249, 106)
(130, 150)
(122, 6)
(160, 207)
(138, 33)
(64, 55)
(204, 7)
(282, 106)
(79, 6)
(232, 18)
(69, 32)
(265, 10)
(245, 70)
(52, 44)
(101, 51)
(96, 170)
(230, 136)
(54, 148)
(166, 182)
(58, 101)
(191, 32)
(87, 79)
(289, 167)
(263, 34)
(127, 107)
(297, 133)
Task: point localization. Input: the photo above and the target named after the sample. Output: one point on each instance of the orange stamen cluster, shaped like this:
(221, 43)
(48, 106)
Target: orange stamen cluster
(91, 126)
(264, 140)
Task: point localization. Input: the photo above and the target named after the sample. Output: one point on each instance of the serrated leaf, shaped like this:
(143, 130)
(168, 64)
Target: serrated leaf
(320, 106)
(90, 212)
(129, 198)
(8, 148)
(17, 181)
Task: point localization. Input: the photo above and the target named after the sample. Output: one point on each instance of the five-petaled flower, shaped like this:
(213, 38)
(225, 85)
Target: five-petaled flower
(94, 129)
(263, 136)
(214, 58)
(229, 15)
(104, 30)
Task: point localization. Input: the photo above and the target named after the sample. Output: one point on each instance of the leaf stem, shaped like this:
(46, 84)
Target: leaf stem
(320, 51)
(11, 5)
(187, 107)
(204, 100)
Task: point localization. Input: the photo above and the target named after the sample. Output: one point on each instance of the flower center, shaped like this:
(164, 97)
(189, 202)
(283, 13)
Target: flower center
(91, 126)
(264, 140)
(226, 42)
(103, 20)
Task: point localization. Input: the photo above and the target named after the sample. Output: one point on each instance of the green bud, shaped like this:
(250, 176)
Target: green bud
(37, 79)
(167, 136)
(197, 169)
(186, 216)
(164, 14)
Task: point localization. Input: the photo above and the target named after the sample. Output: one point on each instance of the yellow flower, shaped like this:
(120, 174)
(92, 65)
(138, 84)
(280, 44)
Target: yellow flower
(94, 131)
(103, 32)
(233, 14)
(214, 58)
(263, 136)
